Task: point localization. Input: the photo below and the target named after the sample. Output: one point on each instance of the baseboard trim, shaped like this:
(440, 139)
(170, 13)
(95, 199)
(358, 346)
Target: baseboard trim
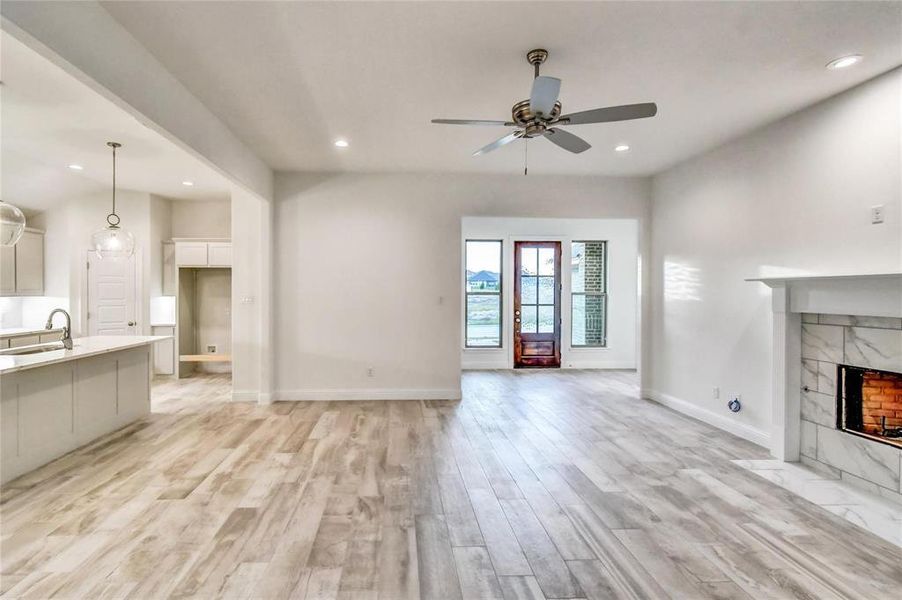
(362, 394)
(245, 396)
(600, 364)
(486, 365)
(747, 432)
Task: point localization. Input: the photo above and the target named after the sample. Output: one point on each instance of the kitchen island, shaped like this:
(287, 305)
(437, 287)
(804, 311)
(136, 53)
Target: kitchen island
(55, 401)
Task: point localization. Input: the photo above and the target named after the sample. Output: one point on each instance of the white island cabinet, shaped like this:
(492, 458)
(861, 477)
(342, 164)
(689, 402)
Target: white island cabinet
(54, 402)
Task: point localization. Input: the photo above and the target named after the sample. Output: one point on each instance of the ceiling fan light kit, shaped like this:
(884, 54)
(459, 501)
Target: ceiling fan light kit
(540, 115)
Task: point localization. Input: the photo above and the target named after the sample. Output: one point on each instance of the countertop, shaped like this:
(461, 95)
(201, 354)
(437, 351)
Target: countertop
(20, 331)
(83, 347)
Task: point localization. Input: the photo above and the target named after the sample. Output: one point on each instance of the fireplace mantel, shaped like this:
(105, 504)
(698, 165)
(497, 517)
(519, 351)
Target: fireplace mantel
(860, 294)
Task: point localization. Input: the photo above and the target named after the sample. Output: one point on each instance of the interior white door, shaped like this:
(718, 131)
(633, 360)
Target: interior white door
(112, 293)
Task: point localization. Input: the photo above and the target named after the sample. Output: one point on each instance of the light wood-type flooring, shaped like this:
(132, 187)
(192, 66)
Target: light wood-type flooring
(539, 484)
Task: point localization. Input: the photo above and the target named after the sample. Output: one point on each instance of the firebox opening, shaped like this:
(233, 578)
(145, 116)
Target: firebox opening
(869, 403)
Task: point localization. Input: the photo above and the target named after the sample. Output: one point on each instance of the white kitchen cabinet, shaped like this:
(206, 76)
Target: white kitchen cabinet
(49, 410)
(30, 264)
(7, 270)
(164, 351)
(219, 254)
(22, 266)
(191, 254)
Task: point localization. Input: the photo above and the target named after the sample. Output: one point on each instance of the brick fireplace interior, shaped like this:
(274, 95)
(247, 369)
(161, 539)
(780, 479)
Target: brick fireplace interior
(869, 401)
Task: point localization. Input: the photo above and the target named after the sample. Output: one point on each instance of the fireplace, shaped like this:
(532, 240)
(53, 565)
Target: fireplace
(869, 403)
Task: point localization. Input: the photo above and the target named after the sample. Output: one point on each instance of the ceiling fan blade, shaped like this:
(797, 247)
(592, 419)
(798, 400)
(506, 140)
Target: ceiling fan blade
(609, 114)
(545, 92)
(498, 143)
(473, 122)
(567, 140)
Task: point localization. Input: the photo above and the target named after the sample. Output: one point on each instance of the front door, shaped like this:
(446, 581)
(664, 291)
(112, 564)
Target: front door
(537, 304)
(112, 290)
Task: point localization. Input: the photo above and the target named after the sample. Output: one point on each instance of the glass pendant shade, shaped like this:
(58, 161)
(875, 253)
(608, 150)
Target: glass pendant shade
(112, 242)
(12, 224)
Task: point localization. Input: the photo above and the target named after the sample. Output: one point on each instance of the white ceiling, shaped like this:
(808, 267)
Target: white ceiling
(51, 120)
(289, 77)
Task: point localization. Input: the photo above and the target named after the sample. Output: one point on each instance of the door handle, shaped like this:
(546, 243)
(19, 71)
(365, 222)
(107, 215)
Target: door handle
(131, 323)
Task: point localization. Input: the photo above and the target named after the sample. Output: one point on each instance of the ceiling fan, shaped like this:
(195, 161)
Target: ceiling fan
(540, 116)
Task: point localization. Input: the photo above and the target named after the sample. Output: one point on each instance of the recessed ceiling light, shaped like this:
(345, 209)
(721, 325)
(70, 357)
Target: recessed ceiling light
(188, 183)
(844, 62)
(341, 143)
(76, 167)
(621, 148)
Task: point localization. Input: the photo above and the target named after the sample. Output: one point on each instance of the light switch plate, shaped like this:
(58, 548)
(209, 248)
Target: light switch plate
(877, 214)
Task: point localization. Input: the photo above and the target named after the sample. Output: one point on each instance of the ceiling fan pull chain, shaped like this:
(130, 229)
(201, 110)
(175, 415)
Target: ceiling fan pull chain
(525, 156)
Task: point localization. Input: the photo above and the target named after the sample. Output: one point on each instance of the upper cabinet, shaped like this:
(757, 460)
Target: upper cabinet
(22, 266)
(203, 254)
(219, 254)
(191, 254)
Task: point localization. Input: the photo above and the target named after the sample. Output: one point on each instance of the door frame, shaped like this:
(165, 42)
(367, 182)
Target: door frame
(557, 335)
(139, 294)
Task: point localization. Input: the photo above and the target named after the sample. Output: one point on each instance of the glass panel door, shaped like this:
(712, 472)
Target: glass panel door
(537, 300)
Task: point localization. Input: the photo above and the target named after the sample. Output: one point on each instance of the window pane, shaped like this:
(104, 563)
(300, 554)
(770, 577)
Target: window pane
(546, 261)
(528, 319)
(484, 320)
(546, 319)
(546, 290)
(528, 290)
(528, 261)
(587, 266)
(587, 327)
(484, 266)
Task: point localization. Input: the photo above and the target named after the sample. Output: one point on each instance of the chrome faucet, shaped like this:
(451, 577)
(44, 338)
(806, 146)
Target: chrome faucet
(67, 330)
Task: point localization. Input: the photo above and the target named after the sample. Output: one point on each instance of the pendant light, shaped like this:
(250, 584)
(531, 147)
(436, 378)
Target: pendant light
(12, 224)
(113, 241)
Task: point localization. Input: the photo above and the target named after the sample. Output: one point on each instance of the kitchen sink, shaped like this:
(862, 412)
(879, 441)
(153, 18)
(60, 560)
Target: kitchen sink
(33, 349)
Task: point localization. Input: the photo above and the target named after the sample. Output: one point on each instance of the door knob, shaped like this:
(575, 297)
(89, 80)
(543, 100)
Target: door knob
(517, 312)
(131, 323)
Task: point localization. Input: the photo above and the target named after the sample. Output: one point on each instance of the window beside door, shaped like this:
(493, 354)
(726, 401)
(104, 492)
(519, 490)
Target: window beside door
(483, 293)
(588, 298)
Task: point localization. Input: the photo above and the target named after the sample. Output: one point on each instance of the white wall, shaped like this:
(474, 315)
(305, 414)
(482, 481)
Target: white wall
(196, 219)
(160, 229)
(368, 271)
(792, 197)
(622, 237)
(252, 346)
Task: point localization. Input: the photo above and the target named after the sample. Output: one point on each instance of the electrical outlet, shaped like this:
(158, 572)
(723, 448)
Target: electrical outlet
(211, 348)
(877, 214)
(715, 392)
(371, 372)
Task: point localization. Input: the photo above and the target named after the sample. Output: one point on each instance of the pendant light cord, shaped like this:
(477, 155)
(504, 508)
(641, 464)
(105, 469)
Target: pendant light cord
(109, 217)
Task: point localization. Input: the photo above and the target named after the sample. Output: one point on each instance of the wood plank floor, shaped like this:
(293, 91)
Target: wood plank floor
(538, 484)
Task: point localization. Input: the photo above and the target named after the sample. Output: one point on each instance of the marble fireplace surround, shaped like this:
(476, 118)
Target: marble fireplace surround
(836, 313)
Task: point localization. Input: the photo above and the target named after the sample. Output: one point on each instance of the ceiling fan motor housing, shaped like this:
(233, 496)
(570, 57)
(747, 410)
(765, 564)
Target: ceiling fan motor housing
(523, 117)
